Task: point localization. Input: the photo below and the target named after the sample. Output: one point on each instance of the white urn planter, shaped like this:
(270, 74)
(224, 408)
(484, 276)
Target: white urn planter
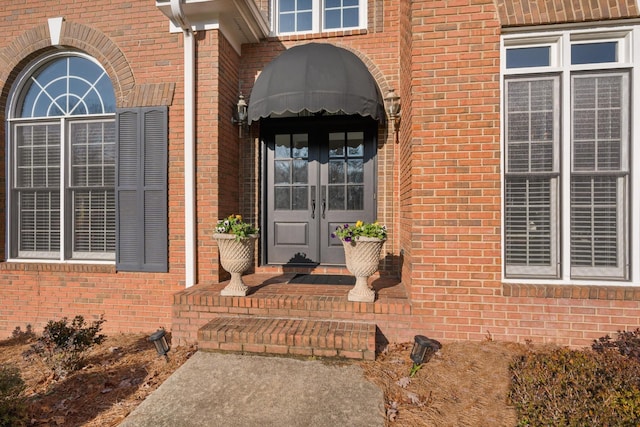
(362, 256)
(236, 256)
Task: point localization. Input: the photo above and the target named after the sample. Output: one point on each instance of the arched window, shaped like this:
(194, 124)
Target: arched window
(62, 161)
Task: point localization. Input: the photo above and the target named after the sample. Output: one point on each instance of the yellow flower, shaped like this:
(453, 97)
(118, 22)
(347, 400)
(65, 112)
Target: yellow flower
(239, 217)
(359, 224)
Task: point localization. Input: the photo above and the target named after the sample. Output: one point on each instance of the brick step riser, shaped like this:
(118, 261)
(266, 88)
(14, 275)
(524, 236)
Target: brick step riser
(300, 337)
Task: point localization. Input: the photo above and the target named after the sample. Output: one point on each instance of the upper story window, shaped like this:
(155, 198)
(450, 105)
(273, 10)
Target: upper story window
(61, 158)
(571, 212)
(314, 16)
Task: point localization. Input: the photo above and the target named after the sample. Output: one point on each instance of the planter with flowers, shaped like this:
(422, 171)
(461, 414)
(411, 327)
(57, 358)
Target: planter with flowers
(362, 244)
(236, 241)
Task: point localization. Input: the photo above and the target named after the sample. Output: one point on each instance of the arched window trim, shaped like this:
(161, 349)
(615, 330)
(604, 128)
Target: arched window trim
(17, 93)
(74, 196)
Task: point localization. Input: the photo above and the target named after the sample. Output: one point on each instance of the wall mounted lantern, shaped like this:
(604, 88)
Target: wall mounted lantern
(392, 105)
(241, 114)
(159, 339)
(242, 110)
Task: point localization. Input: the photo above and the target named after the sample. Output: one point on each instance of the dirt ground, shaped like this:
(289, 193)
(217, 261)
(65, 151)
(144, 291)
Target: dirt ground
(464, 384)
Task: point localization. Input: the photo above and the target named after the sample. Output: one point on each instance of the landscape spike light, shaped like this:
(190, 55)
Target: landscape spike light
(159, 339)
(420, 346)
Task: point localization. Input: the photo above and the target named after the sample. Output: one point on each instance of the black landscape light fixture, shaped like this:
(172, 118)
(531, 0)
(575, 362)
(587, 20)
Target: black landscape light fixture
(423, 347)
(159, 339)
(420, 346)
(392, 105)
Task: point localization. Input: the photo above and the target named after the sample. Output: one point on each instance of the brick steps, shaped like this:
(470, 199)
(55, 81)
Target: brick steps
(302, 337)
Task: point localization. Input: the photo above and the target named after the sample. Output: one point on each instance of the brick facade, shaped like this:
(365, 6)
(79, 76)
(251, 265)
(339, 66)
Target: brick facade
(439, 185)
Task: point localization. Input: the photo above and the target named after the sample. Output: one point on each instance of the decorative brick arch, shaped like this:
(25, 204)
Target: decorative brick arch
(377, 75)
(37, 40)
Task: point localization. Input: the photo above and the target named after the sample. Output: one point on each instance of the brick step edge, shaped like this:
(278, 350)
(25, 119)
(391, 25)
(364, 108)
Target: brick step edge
(300, 337)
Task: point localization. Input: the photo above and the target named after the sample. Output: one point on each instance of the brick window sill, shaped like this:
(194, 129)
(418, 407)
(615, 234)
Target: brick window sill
(618, 293)
(57, 267)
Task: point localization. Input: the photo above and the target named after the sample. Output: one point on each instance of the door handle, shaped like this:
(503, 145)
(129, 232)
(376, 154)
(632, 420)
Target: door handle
(313, 201)
(323, 191)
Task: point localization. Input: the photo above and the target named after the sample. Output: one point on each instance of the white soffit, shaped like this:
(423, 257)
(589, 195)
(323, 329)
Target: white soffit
(239, 20)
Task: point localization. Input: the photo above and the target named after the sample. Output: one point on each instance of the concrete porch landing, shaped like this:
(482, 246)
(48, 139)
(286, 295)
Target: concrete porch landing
(280, 317)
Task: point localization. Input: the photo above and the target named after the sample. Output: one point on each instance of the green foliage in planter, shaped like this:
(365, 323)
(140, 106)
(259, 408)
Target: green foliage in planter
(63, 345)
(564, 387)
(348, 232)
(234, 224)
(13, 407)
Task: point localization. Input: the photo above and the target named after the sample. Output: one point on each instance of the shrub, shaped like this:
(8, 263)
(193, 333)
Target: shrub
(62, 346)
(627, 343)
(20, 336)
(563, 387)
(13, 408)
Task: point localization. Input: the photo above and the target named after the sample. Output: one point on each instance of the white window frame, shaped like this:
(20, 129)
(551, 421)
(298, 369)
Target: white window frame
(317, 24)
(65, 253)
(560, 40)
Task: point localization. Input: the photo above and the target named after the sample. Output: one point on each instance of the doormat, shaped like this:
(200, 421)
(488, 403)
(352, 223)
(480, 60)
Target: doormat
(323, 279)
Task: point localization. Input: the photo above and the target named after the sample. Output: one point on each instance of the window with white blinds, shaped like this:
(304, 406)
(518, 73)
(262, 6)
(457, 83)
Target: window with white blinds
(531, 122)
(599, 174)
(567, 158)
(62, 161)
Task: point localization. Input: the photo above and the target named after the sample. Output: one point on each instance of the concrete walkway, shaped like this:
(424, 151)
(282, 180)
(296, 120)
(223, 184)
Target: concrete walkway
(213, 389)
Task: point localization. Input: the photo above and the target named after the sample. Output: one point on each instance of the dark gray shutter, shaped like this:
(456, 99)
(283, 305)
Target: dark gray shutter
(141, 190)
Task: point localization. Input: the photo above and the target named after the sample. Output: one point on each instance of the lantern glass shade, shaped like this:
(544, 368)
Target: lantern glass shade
(159, 339)
(393, 103)
(242, 109)
(420, 346)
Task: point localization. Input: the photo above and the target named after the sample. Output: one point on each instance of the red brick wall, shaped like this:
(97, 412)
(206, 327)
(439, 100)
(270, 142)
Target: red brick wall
(452, 186)
(537, 12)
(218, 158)
(451, 191)
(439, 186)
(145, 62)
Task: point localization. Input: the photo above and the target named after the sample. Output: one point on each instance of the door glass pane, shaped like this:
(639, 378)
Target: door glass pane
(282, 171)
(300, 146)
(300, 172)
(336, 197)
(336, 144)
(282, 198)
(355, 144)
(355, 197)
(355, 171)
(299, 202)
(336, 172)
(283, 144)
